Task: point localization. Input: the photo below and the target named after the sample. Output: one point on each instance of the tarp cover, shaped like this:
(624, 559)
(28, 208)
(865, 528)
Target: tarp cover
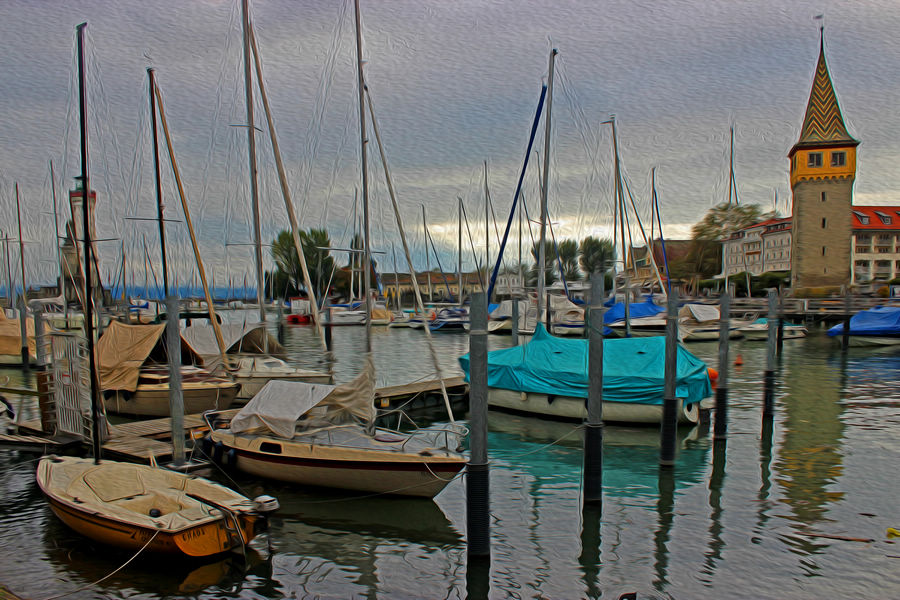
(701, 313)
(239, 339)
(11, 335)
(879, 321)
(633, 369)
(280, 404)
(121, 351)
(636, 310)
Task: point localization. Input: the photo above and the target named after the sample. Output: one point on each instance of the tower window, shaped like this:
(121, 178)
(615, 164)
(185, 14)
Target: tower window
(823, 250)
(838, 159)
(814, 159)
(823, 222)
(823, 196)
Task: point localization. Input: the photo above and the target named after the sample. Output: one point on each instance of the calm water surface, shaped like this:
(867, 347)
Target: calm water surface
(739, 522)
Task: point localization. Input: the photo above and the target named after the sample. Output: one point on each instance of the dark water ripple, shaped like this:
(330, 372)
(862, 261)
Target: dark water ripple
(742, 521)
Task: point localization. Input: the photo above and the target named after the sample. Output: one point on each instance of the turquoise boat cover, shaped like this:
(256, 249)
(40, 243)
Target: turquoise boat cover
(881, 321)
(633, 369)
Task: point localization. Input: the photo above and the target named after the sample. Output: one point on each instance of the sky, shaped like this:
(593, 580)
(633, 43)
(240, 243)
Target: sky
(454, 84)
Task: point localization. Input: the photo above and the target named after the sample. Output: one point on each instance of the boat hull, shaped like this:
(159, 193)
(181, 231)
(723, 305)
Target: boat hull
(152, 400)
(862, 341)
(375, 472)
(208, 537)
(567, 407)
(762, 334)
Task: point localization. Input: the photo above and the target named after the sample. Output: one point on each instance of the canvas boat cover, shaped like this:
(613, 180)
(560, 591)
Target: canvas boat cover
(505, 308)
(279, 405)
(121, 351)
(239, 339)
(636, 310)
(11, 335)
(633, 369)
(701, 313)
(879, 321)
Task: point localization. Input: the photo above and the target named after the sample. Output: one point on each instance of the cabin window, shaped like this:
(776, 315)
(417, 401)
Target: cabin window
(823, 222)
(270, 448)
(838, 159)
(814, 159)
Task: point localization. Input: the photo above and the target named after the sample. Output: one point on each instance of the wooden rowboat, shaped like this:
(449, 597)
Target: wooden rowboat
(131, 506)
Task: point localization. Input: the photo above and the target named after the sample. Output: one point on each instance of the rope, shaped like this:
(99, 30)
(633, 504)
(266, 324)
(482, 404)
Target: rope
(125, 564)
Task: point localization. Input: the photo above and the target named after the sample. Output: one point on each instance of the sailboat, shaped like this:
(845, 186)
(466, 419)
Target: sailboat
(141, 507)
(324, 435)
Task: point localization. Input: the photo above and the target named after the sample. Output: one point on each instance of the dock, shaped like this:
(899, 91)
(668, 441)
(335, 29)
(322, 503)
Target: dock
(151, 439)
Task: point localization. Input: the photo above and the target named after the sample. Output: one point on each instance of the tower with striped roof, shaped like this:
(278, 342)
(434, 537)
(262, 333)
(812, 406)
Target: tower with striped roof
(823, 169)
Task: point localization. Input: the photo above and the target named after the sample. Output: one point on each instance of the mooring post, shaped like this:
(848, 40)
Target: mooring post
(669, 424)
(549, 313)
(40, 339)
(23, 331)
(477, 475)
(593, 428)
(780, 339)
(280, 326)
(627, 305)
(515, 322)
(176, 399)
(769, 377)
(326, 310)
(845, 337)
(720, 428)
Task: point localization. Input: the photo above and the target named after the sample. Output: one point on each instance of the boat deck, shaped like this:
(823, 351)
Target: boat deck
(151, 439)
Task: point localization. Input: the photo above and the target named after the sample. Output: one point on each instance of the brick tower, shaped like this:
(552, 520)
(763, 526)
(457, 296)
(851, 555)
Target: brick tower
(823, 168)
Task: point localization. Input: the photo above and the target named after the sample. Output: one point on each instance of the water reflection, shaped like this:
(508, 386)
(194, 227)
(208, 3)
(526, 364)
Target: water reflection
(665, 516)
(715, 543)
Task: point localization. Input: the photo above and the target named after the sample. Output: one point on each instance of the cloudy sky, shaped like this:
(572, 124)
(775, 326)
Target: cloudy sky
(454, 84)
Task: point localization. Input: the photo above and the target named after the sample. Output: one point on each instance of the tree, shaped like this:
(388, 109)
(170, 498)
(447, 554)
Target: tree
(568, 256)
(705, 256)
(319, 262)
(596, 255)
(550, 268)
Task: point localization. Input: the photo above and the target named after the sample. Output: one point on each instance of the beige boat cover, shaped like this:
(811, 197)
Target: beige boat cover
(279, 405)
(239, 339)
(699, 313)
(379, 313)
(11, 335)
(121, 351)
(126, 492)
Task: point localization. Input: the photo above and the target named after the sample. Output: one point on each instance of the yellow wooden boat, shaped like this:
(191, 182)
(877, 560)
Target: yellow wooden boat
(132, 506)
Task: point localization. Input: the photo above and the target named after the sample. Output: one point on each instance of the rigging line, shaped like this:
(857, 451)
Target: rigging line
(562, 273)
(440, 268)
(472, 245)
(644, 236)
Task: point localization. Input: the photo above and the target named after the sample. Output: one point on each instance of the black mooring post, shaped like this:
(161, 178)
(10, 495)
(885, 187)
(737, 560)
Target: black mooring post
(477, 474)
(669, 425)
(845, 337)
(514, 332)
(769, 376)
(720, 426)
(779, 345)
(593, 428)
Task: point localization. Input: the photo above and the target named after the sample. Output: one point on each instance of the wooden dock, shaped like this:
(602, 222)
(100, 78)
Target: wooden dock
(151, 439)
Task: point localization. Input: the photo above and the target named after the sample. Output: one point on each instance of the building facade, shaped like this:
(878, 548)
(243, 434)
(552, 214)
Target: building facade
(823, 169)
(759, 248)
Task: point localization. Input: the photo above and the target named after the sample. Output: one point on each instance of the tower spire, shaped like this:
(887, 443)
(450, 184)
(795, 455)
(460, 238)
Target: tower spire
(823, 123)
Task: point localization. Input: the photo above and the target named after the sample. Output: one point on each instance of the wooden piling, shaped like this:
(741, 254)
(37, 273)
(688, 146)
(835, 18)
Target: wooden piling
(176, 399)
(669, 425)
(593, 429)
(515, 322)
(845, 337)
(40, 340)
(720, 427)
(477, 473)
(771, 344)
(23, 330)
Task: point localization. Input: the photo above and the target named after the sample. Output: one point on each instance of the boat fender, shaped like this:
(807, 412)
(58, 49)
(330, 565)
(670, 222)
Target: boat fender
(218, 449)
(713, 376)
(893, 532)
(230, 458)
(155, 512)
(739, 361)
(266, 504)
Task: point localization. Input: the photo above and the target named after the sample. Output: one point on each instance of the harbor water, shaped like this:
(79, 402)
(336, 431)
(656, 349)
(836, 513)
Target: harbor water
(798, 510)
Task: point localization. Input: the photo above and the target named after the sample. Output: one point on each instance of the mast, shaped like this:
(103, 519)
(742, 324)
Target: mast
(620, 209)
(62, 275)
(427, 254)
(367, 277)
(487, 222)
(459, 286)
(9, 292)
(21, 243)
(542, 259)
(159, 201)
(85, 221)
(251, 149)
